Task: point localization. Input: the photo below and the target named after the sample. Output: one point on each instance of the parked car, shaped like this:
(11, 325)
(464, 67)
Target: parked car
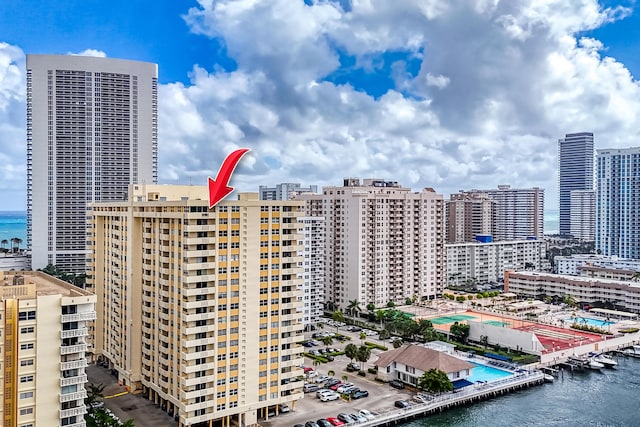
(345, 418)
(360, 394)
(358, 417)
(323, 378)
(324, 423)
(332, 382)
(335, 422)
(307, 344)
(326, 397)
(397, 384)
(401, 404)
(353, 365)
(367, 414)
(343, 387)
(336, 385)
(308, 388)
(283, 408)
(323, 391)
(311, 424)
(312, 374)
(306, 369)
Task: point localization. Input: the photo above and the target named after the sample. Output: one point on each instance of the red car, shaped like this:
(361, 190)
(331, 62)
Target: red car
(335, 422)
(335, 386)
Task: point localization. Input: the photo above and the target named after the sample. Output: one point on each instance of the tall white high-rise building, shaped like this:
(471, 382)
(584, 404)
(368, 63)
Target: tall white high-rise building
(383, 242)
(91, 131)
(519, 212)
(575, 172)
(618, 202)
(313, 253)
(583, 214)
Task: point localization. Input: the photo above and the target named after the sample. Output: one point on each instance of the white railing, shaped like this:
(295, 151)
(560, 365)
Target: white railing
(79, 317)
(68, 397)
(73, 364)
(80, 410)
(80, 332)
(69, 349)
(79, 379)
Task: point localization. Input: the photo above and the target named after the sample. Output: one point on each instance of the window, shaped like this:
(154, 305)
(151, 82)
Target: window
(27, 362)
(26, 395)
(26, 379)
(26, 411)
(27, 315)
(27, 330)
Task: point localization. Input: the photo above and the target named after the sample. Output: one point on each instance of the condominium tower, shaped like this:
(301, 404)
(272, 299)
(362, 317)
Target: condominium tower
(383, 242)
(519, 212)
(583, 214)
(575, 172)
(91, 131)
(200, 308)
(44, 335)
(285, 191)
(470, 214)
(618, 202)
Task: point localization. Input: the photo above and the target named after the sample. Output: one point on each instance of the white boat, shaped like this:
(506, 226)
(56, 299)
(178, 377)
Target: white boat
(607, 361)
(633, 351)
(585, 362)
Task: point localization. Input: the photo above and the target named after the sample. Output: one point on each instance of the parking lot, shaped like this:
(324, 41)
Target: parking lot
(381, 396)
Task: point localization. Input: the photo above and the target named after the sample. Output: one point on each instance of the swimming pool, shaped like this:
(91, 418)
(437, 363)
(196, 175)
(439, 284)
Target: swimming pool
(588, 321)
(487, 373)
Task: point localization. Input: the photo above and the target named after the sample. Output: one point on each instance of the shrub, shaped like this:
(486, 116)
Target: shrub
(372, 370)
(362, 374)
(375, 345)
(629, 330)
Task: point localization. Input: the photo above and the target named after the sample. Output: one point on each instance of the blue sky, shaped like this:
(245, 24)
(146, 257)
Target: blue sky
(450, 95)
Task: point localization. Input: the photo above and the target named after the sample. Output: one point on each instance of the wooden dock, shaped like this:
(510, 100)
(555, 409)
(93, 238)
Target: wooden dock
(465, 396)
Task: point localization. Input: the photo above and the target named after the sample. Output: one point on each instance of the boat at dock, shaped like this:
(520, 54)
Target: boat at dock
(602, 358)
(633, 351)
(585, 362)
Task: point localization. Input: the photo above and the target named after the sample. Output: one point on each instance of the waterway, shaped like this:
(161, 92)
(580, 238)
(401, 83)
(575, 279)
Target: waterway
(608, 398)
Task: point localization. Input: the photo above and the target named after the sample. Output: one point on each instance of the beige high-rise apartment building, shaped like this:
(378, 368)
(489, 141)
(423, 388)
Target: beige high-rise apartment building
(200, 308)
(383, 242)
(470, 214)
(44, 339)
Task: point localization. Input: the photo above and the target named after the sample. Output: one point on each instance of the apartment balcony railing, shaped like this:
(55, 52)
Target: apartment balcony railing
(68, 397)
(80, 332)
(79, 317)
(73, 364)
(79, 379)
(69, 349)
(79, 411)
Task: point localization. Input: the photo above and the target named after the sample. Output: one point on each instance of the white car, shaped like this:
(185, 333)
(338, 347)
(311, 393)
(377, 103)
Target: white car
(367, 414)
(329, 396)
(344, 387)
(323, 378)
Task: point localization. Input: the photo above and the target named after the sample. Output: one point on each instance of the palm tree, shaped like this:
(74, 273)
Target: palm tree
(636, 277)
(331, 373)
(353, 308)
(363, 355)
(380, 316)
(326, 340)
(337, 316)
(363, 337)
(94, 392)
(351, 350)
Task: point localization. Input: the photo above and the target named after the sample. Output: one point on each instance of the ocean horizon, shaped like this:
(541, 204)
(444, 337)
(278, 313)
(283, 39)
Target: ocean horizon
(13, 224)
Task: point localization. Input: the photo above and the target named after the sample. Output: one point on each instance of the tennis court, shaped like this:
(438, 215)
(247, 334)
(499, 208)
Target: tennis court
(443, 320)
(497, 323)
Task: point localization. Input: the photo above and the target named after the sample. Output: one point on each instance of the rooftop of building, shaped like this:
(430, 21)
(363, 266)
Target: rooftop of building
(584, 279)
(29, 284)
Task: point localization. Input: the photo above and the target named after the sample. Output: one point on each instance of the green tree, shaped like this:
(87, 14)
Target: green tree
(484, 340)
(363, 355)
(435, 381)
(371, 307)
(331, 372)
(398, 343)
(326, 340)
(94, 393)
(384, 334)
(353, 307)
(337, 316)
(351, 351)
(460, 331)
(363, 337)
(391, 304)
(381, 316)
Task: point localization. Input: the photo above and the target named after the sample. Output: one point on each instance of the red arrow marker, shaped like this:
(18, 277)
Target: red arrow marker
(218, 188)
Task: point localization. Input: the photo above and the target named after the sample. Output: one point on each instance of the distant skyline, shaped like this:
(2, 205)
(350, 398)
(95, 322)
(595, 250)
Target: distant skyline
(450, 95)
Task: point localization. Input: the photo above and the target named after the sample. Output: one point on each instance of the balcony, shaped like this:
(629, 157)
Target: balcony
(70, 349)
(79, 317)
(80, 332)
(74, 364)
(68, 397)
(79, 411)
(79, 379)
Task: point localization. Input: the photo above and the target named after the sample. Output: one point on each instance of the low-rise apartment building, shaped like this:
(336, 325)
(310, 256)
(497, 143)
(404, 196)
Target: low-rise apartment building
(45, 333)
(594, 291)
(480, 263)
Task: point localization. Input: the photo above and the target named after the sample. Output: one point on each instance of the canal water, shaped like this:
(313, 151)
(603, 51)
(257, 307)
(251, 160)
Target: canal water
(607, 398)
